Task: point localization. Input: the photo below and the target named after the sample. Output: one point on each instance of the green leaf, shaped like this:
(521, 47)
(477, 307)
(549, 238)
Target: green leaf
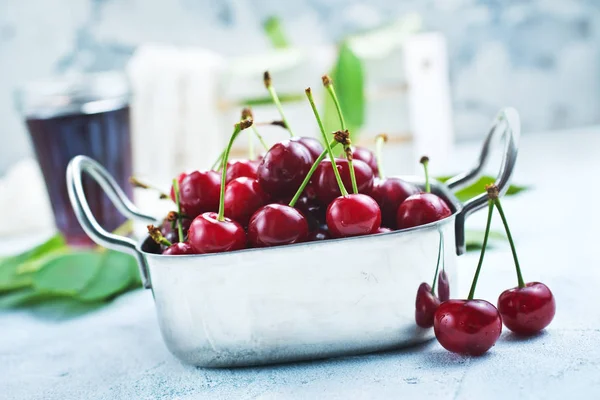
(349, 81)
(478, 188)
(114, 276)
(10, 276)
(474, 238)
(68, 274)
(274, 31)
(26, 297)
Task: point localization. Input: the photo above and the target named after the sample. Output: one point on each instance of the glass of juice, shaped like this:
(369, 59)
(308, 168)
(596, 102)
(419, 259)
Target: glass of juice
(84, 114)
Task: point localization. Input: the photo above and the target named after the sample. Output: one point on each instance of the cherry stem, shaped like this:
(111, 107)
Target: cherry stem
(246, 123)
(348, 152)
(135, 182)
(260, 138)
(437, 267)
(177, 201)
(269, 85)
(425, 162)
(310, 173)
(510, 240)
(250, 147)
(379, 142)
(311, 100)
(328, 83)
(483, 246)
(157, 236)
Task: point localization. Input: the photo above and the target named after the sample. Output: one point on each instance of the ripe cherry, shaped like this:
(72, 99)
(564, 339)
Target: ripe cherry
(312, 145)
(422, 208)
(283, 168)
(243, 196)
(368, 157)
(527, 310)
(180, 248)
(427, 303)
(389, 193)
(353, 215)
(211, 232)
(325, 183)
(276, 225)
(199, 192)
(469, 326)
(239, 168)
(529, 307)
(383, 230)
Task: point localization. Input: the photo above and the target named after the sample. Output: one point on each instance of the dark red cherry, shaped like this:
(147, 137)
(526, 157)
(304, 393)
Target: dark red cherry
(177, 249)
(318, 234)
(389, 193)
(467, 326)
(527, 310)
(353, 215)
(243, 196)
(313, 145)
(326, 186)
(239, 168)
(443, 289)
(425, 306)
(283, 168)
(367, 156)
(169, 229)
(276, 225)
(209, 235)
(420, 209)
(199, 192)
(383, 230)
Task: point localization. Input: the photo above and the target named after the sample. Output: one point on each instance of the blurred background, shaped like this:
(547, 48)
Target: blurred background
(541, 56)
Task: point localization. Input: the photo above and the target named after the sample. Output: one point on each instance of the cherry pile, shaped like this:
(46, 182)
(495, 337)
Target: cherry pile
(473, 326)
(300, 190)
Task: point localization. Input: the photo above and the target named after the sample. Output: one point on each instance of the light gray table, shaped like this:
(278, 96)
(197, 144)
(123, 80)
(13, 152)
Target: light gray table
(117, 352)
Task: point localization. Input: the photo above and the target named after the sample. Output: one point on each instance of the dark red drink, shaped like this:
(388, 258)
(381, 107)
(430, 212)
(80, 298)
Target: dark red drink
(91, 123)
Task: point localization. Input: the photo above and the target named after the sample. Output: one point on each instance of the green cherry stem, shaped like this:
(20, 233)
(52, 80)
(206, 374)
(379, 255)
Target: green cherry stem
(247, 113)
(310, 173)
(240, 126)
(260, 138)
(437, 267)
(425, 162)
(157, 236)
(493, 195)
(311, 100)
(328, 83)
(218, 161)
(484, 245)
(179, 226)
(379, 142)
(348, 152)
(269, 85)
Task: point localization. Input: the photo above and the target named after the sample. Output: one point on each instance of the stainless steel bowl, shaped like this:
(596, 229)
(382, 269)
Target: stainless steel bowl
(298, 302)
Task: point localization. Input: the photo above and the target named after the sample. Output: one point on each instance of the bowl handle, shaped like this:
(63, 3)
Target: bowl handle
(77, 166)
(506, 123)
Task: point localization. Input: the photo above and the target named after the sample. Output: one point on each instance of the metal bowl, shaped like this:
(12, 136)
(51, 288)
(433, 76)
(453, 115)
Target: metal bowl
(303, 301)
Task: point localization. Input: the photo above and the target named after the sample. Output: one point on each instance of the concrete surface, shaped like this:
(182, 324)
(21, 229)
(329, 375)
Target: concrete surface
(117, 352)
